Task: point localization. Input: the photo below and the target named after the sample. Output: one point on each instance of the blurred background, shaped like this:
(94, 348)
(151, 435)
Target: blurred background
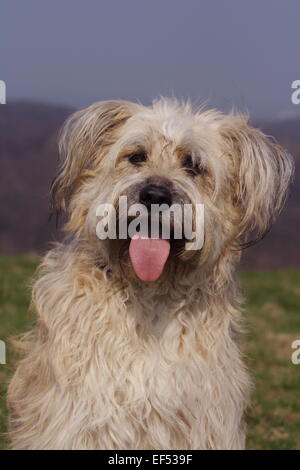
(58, 56)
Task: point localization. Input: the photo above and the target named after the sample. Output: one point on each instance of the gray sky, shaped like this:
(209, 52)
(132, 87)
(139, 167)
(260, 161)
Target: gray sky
(227, 52)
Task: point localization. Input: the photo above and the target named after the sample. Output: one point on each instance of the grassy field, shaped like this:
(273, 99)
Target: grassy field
(273, 317)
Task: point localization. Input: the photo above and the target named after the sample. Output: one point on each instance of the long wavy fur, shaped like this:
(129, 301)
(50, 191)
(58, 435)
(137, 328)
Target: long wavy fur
(115, 363)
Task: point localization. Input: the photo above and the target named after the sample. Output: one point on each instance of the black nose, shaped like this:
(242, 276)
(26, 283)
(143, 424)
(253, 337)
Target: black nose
(155, 194)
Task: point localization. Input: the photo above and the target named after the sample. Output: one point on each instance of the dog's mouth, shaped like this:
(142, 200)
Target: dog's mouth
(149, 254)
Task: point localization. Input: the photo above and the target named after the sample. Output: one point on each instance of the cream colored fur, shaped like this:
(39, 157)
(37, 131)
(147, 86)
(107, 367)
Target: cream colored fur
(115, 363)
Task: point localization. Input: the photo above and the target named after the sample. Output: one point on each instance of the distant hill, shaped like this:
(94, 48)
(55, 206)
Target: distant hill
(28, 160)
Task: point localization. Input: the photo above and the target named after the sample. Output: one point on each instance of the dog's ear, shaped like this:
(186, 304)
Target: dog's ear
(82, 139)
(262, 173)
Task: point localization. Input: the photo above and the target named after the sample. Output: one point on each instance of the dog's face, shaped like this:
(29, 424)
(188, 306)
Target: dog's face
(168, 154)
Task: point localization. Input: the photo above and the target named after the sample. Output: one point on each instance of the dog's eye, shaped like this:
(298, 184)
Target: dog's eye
(137, 158)
(192, 168)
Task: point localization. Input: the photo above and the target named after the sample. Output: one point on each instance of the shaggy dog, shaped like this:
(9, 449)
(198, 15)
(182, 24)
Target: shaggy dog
(117, 361)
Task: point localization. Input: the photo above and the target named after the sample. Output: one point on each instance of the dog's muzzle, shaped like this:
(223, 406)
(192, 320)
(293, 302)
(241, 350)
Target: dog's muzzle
(148, 253)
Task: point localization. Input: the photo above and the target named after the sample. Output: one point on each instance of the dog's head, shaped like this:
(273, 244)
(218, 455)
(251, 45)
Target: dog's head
(168, 154)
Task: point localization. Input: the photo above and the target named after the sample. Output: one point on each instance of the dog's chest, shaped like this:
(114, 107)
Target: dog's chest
(157, 374)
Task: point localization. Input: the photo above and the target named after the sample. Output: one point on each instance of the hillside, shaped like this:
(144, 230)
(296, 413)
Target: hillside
(28, 158)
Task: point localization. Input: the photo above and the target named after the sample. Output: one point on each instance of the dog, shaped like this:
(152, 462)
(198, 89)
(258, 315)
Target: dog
(138, 346)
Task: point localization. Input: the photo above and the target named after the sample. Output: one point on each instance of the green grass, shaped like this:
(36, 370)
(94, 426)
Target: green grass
(15, 274)
(273, 317)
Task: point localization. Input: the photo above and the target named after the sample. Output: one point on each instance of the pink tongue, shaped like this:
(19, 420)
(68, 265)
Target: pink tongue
(148, 257)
